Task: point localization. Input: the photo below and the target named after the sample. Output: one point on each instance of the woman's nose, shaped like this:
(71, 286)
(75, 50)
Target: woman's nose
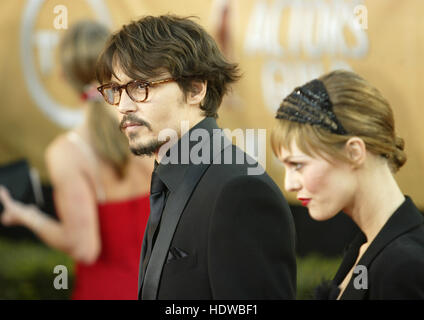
(291, 182)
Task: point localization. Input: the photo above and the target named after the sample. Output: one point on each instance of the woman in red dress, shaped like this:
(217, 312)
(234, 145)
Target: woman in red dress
(100, 188)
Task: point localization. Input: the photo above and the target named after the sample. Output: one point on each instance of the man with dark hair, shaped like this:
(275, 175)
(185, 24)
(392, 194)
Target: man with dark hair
(215, 231)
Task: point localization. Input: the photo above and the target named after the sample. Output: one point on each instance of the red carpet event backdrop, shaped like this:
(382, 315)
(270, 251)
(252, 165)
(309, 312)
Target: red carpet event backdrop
(279, 44)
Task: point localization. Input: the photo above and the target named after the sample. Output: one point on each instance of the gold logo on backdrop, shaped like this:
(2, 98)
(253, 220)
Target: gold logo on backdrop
(37, 53)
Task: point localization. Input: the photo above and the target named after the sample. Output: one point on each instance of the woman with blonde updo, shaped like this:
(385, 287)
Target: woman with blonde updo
(336, 138)
(101, 191)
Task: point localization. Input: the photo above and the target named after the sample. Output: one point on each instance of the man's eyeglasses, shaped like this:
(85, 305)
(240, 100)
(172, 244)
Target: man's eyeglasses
(137, 90)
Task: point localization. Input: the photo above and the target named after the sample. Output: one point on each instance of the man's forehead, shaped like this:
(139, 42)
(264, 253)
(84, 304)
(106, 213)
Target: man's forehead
(120, 76)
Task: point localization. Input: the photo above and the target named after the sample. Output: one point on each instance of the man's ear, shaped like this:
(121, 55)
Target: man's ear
(356, 151)
(197, 92)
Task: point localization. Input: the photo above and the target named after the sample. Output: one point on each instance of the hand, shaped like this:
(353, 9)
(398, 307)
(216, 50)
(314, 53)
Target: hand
(14, 212)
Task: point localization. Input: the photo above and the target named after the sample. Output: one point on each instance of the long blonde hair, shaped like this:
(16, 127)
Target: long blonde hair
(79, 50)
(362, 111)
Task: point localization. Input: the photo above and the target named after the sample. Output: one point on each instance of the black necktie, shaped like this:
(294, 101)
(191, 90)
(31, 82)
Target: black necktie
(157, 203)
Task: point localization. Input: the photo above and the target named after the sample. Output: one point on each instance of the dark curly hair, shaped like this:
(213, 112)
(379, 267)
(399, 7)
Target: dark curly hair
(147, 47)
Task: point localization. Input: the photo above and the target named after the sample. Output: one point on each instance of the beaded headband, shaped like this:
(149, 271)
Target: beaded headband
(311, 104)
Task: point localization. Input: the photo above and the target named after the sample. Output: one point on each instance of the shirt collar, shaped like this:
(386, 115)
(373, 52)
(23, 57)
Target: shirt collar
(172, 173)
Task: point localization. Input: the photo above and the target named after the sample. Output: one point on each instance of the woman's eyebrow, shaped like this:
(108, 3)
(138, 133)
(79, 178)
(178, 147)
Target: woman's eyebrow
(292, 158)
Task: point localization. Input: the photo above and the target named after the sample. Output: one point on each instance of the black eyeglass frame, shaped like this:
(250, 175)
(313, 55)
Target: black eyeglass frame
(144, 83)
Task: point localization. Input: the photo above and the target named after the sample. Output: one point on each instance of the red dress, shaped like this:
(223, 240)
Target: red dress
(114, 275)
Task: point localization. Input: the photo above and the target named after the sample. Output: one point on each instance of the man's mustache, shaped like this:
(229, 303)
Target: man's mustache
(132, 119)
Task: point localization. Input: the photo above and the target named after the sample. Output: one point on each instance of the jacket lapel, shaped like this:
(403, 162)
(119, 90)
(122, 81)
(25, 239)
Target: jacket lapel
(170, 217)
(175, 204)
(405, 218)
(142, 256)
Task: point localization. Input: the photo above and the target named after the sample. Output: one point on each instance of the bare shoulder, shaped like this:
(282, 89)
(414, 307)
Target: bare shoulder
(63, 158)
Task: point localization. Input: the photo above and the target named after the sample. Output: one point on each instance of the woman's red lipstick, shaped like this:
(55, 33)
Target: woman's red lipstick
(304, 201)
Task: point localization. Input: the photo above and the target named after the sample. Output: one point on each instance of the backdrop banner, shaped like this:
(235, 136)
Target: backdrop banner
(279, 44)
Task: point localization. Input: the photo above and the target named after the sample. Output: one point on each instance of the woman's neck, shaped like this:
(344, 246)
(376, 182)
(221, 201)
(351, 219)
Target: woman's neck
(377, 198)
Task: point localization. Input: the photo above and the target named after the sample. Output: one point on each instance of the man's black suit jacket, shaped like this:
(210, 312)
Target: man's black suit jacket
(224, 234)
(394, 260)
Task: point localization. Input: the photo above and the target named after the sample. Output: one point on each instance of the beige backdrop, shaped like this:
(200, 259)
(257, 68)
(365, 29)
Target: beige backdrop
(278, 43)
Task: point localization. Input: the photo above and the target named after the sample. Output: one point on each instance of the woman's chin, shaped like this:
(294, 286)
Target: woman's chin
(319, 215)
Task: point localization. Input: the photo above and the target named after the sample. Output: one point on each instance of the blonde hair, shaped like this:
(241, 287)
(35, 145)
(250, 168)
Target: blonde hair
(79, 50)
(362, 111)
